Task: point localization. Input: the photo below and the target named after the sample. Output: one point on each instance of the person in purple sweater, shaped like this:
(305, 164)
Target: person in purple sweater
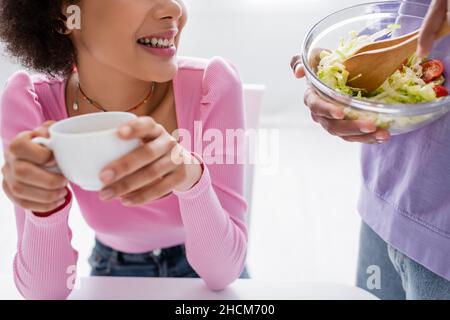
(405, 197)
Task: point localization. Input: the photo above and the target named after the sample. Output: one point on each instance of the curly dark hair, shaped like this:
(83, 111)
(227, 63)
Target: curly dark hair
(29, 30)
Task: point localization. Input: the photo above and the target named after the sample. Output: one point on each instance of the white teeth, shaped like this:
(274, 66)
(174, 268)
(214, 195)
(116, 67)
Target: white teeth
(155, 42)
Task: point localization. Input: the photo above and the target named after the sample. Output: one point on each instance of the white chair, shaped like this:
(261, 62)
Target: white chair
(253, 96)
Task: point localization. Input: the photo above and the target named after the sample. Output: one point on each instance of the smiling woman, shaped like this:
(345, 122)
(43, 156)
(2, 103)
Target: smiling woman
(165, 218)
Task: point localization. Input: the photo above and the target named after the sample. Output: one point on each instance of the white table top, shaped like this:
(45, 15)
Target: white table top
(95, 288)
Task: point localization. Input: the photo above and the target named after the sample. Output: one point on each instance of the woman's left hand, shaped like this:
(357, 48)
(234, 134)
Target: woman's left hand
(438, 14)
(156, 168)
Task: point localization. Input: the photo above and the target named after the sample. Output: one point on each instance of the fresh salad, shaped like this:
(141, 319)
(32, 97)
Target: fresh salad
(416, 81)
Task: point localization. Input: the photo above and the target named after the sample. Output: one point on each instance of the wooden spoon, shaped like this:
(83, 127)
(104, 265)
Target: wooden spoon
(369, 69)
(386, 43)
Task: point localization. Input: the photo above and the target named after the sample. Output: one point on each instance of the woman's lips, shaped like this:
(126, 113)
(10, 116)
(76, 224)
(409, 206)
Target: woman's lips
(162, 52)
(161, 44)
(168, 34)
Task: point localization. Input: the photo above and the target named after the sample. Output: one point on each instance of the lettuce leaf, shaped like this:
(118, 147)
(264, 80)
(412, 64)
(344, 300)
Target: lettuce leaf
(404, 86)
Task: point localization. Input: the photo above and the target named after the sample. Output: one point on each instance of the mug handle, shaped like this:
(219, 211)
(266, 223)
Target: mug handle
(47, 143)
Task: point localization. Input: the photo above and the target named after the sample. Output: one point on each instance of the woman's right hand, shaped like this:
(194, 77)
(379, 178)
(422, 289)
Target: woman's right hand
(331, 116)
(25, 181)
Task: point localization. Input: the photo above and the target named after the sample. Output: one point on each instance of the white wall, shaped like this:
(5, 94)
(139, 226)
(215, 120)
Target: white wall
(260, 37)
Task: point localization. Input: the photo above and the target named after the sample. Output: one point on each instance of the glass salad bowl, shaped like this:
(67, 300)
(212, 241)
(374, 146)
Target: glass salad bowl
(367, 19)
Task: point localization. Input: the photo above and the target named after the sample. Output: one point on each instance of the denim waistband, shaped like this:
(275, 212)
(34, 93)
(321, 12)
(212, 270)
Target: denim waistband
(166, 254)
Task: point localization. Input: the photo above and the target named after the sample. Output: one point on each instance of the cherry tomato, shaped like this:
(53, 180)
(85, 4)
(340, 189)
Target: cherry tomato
(441, 91)
(432, 69)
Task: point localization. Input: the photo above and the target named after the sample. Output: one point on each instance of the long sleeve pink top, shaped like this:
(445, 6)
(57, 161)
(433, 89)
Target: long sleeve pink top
(208, 219)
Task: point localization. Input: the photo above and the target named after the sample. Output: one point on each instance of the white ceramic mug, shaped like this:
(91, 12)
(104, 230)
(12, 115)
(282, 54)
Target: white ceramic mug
(84, 145)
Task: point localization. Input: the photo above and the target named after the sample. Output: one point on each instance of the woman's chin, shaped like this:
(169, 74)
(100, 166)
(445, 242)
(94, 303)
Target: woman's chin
(163, 74)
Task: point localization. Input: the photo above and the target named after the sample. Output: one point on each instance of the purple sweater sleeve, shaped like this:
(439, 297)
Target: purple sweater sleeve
(45, 260)
(213, 211)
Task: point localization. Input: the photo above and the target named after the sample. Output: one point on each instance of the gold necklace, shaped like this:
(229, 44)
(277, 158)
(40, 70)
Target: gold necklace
(98, 106)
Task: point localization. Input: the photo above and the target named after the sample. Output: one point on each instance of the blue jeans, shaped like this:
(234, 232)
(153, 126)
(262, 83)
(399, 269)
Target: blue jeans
(399, 276)
(170, 262)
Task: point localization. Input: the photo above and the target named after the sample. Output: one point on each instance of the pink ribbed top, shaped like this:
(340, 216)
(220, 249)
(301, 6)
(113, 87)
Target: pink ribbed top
(208, 219)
